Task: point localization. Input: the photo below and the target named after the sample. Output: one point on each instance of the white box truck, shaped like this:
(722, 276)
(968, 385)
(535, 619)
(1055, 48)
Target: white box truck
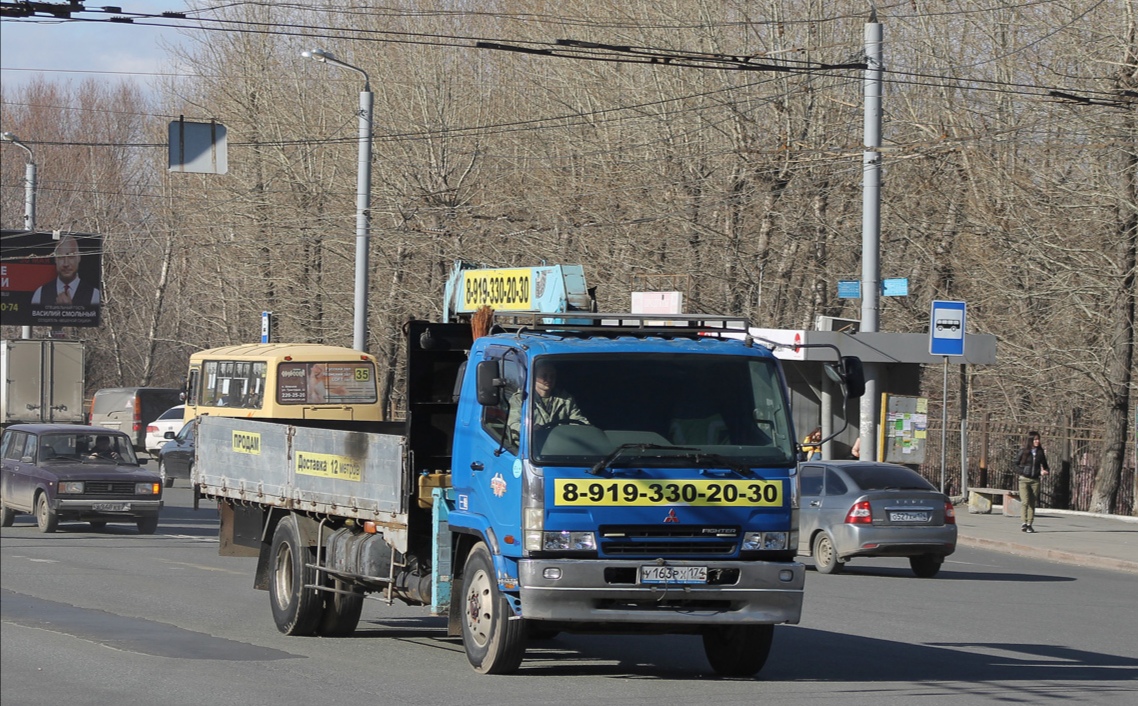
(41, 381)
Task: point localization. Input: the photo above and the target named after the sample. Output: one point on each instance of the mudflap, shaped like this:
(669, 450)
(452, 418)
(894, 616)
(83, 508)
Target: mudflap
(239, 532)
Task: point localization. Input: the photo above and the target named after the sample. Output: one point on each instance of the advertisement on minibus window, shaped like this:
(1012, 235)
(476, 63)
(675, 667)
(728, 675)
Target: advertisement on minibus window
(51, 279)
(326, 383)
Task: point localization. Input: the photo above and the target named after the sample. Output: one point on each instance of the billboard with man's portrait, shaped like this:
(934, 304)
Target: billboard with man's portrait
(50, 279)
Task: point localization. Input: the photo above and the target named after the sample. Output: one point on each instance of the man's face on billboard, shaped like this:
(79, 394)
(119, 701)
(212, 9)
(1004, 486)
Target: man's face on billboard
(67, 259)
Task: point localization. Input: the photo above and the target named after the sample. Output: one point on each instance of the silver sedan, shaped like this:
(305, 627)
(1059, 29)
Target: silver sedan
(862, 509)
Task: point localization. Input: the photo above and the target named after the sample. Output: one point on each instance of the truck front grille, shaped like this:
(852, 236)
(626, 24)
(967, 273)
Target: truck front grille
(651, 541)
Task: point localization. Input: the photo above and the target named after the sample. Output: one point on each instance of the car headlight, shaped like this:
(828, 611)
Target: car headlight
(71, 487)
(765, 541)
(147, 488)
(569, 542)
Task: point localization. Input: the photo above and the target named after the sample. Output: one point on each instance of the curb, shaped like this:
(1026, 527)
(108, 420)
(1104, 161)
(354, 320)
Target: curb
(1044, 511)
(962, 501)
(1087, 560)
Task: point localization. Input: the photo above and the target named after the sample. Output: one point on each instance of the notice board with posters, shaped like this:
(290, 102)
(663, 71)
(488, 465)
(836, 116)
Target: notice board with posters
(904, 428)
(50, 278)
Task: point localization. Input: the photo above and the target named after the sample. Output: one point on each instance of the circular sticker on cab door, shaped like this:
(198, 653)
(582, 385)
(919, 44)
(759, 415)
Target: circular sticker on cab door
(517, 468)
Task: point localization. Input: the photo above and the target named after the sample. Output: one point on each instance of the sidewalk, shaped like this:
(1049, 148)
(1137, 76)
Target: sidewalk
(1065, 536)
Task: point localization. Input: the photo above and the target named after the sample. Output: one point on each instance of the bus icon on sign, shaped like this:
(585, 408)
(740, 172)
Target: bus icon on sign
(948, 324)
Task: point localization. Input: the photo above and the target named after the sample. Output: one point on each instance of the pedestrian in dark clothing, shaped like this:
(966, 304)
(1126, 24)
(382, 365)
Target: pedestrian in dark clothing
(1032, 464)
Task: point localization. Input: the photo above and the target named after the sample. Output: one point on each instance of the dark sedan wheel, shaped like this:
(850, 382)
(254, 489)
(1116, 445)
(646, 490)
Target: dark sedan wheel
(926, 566)
(167, 481)
(825, 557)
(147, 525)
(7, 515)
(46, 519)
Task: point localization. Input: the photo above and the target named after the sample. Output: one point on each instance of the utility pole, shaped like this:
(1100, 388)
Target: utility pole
(871, 229)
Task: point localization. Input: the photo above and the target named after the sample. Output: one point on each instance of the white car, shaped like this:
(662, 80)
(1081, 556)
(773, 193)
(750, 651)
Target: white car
(170, 420)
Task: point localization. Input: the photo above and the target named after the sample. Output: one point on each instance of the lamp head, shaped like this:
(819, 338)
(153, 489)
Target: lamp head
(8, 137)
(317, 55)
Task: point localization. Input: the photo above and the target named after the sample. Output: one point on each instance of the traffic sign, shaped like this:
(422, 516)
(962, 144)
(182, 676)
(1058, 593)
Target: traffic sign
(849, 289)
(946, 328)
(895, 287)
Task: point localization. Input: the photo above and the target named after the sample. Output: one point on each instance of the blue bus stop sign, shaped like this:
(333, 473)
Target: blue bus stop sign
(946, 328)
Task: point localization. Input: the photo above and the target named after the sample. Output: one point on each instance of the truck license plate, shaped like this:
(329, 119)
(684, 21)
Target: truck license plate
(908, 517)
(111, 507)
(673, 574)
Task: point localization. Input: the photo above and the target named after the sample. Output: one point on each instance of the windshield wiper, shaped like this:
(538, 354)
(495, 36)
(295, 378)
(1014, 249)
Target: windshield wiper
(602, 465)
(724, 462)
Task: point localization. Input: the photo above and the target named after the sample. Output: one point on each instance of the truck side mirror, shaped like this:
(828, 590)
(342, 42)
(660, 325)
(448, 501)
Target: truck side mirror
(489, 383)
(848, 372)
(854, 376)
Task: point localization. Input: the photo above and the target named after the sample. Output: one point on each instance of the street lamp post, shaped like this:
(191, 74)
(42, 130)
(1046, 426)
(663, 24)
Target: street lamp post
(29, 182)
(29, 199)
(363, 197)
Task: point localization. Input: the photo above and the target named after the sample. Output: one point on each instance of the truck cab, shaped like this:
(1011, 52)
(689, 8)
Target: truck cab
(645, 485)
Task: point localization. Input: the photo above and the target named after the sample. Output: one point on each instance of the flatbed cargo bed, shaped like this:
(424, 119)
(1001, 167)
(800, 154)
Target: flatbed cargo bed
(348, 474)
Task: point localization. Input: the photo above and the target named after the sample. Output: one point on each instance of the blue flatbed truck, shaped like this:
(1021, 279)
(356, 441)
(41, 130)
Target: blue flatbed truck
(670, 508)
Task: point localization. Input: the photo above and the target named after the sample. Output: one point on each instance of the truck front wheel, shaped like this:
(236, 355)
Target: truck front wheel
(494, 643)
(738, 650)
(297, 608)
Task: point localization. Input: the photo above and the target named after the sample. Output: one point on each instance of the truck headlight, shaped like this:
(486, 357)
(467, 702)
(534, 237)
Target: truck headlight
(533, 507)
(765, 541)
(569, 542)
(147, 488)
(533, 520)
(72, 487)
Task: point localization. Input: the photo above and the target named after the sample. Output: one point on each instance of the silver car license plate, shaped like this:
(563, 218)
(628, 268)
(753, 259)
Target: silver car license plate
(111, 507)
(909, 517)
(673, 574)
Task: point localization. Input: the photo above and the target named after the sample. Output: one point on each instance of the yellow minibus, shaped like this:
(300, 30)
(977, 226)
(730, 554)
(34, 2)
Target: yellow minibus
(283, 381)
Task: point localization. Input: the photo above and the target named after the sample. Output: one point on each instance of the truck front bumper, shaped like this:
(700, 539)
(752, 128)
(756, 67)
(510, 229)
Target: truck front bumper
(603, 591)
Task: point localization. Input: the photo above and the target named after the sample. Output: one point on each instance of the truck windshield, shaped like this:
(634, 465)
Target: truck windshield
(667, 410)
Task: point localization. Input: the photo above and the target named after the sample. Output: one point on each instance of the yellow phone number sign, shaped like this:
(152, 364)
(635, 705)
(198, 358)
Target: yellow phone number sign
(613, 493)
(327, 466)
(503, 289)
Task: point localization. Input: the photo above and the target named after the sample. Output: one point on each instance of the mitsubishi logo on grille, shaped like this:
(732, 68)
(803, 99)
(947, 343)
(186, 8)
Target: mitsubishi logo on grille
(671, 517)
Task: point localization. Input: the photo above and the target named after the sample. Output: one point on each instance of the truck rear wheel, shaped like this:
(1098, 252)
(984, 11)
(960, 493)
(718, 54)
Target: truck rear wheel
(738, 650)
(341, 611)
(297, 609)
(494, 643)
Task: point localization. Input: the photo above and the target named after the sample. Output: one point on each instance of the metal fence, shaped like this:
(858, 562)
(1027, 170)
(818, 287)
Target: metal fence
(1072, 452)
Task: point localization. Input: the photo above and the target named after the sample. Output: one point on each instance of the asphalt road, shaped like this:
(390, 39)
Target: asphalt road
(116, 617)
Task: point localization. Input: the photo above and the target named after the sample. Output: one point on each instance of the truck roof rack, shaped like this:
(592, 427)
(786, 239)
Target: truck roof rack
(613, 325)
